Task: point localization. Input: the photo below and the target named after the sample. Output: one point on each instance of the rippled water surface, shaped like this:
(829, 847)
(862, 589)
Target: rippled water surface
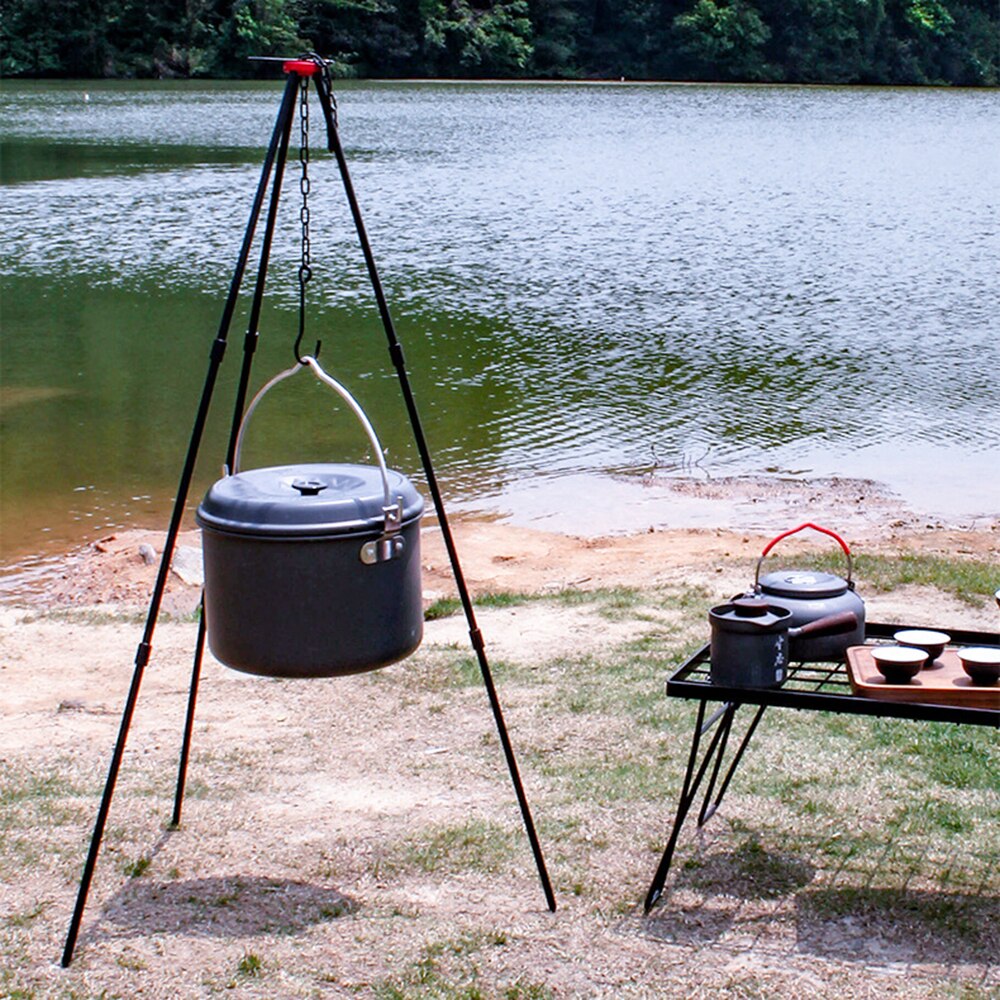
(589, 281)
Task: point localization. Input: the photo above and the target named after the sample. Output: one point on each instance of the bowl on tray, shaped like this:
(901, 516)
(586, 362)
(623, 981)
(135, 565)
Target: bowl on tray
(929, 640)
(898, 664)
(981, 663)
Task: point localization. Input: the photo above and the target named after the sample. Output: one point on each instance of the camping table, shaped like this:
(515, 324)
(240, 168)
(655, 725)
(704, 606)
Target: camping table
(818, 687)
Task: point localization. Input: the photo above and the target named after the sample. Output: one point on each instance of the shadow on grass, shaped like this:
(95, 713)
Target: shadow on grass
(741, 891)
(899, 924)
(749, 872)
(727, 885)
(232, 906)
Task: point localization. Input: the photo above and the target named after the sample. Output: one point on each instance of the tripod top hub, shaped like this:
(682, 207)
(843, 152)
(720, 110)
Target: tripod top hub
(304, 67)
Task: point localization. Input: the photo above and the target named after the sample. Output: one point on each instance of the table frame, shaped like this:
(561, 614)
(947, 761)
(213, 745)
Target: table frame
(818, 687)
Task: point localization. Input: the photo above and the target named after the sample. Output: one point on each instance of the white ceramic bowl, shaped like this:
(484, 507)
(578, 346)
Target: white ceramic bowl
(898, 664)
(981, 663)
(929, 640)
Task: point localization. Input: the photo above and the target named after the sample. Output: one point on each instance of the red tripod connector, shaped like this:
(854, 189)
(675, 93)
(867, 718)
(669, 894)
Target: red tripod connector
(304, 67)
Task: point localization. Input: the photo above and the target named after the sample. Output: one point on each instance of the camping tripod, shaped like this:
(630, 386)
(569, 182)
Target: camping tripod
(299, 72)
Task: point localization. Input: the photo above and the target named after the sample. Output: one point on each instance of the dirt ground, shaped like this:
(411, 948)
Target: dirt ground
(279, 881)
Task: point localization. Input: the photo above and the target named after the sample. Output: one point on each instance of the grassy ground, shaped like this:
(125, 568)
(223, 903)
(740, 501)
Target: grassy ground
(359, 838)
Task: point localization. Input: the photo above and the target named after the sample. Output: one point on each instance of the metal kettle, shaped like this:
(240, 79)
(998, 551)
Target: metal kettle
(810, 595)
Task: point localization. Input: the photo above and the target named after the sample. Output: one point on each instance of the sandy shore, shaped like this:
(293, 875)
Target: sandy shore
(120, 569)
(633, 531)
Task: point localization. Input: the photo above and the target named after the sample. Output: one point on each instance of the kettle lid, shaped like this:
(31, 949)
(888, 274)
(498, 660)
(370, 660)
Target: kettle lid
(803, 583)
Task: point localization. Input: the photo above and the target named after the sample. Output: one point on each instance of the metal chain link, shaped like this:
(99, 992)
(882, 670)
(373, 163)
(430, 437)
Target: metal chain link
(305, 264)
(328, 80)
(305, 271)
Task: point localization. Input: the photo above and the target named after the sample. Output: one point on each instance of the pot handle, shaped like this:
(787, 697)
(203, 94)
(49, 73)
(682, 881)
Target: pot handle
(393, 510)
(842, 621)
(826, 531)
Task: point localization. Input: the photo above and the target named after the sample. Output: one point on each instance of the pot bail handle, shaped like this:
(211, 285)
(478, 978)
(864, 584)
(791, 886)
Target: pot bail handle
(393, 510)
(816, 527)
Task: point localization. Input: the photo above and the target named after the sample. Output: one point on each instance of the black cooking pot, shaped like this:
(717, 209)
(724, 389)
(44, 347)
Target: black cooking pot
(312, 570)
(749, 646)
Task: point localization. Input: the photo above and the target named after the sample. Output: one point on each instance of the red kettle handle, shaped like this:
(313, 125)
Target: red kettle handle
(816, 527)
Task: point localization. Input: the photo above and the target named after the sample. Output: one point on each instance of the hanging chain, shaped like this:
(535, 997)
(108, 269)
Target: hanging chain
(305, 268)
(328, 80)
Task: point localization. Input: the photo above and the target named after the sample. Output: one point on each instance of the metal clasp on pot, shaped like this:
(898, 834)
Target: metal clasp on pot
(390, 544)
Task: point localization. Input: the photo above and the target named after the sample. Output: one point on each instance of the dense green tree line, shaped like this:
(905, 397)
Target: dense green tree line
(833, 41)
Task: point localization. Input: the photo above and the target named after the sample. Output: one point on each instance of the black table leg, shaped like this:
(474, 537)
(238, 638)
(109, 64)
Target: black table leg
(694, 775)
(689, 789)
(707, 812)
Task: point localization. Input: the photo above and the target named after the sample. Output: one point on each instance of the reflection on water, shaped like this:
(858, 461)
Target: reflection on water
(587, 280)
(31, 161)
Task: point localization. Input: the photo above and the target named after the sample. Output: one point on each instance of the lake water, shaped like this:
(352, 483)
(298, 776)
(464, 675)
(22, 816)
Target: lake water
(594, 284)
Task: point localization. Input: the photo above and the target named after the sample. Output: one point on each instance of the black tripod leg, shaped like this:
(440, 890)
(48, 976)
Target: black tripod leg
(250, 340)
(249, 346)
(145, 646)
(142, 658)
(515, 777)
(199, 651)
(396, 354)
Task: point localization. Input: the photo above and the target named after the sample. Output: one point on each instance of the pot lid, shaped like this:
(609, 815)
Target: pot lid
(295, 500)
(808, 584)
(750, 614)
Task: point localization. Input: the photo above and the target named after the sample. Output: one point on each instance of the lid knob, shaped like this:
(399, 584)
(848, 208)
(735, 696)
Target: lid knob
(308, 487)
(750, 607)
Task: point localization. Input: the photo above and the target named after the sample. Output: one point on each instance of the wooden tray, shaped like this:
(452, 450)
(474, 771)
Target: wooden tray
(944, 683)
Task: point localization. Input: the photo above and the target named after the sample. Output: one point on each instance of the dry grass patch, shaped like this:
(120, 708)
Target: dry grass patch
(359, 837)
